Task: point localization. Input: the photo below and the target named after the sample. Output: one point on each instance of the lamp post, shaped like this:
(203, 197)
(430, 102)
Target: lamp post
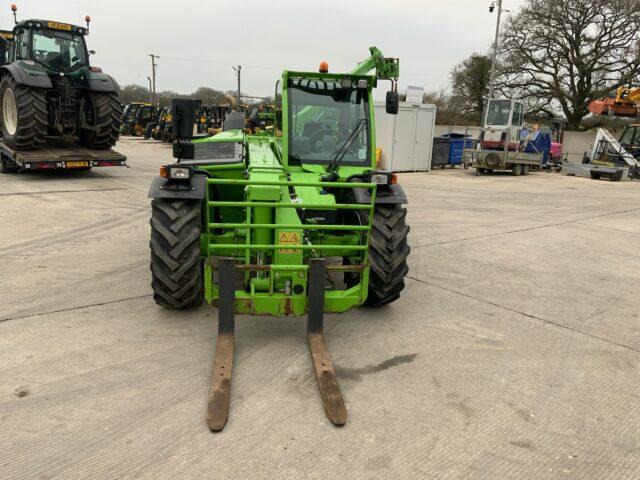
(495, 46)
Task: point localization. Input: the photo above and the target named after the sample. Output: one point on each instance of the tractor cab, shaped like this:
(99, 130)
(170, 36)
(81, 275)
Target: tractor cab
(502, 124)
(54, 46)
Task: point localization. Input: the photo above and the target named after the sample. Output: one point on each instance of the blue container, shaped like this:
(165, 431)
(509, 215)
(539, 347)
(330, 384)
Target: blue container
(540, 142)
(456, 146)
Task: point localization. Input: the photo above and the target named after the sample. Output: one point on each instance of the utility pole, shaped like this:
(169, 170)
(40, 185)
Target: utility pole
(238, 70)
(154, 65)
(495, 47)
(150, 91)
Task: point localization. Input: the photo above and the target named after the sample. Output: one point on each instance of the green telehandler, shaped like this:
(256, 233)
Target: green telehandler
(291, 221)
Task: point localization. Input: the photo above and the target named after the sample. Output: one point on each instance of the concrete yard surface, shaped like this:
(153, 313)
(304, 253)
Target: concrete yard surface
(512, 354)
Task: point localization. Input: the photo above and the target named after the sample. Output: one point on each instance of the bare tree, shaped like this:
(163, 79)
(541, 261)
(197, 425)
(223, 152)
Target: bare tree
(134, 93)
(208, 96)
(470, 84)
(565, 53)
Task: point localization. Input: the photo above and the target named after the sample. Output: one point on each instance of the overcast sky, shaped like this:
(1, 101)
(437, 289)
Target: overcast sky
(199, 41)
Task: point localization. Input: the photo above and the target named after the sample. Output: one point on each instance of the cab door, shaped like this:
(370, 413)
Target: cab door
(517, 119)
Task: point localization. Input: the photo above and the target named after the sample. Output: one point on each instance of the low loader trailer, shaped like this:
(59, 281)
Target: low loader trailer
(56, 157)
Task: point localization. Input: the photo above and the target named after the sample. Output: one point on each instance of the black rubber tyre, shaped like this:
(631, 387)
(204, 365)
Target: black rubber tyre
(516, 169)
(103, 114)
(480, 171)
(388, 252)
(30, 125)
(176, 266)
(525, 169)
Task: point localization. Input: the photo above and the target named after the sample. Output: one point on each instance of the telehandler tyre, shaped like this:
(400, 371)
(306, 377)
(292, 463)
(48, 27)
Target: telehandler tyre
(103, 117)
(388, 252)
(176, 266)
(24, 115)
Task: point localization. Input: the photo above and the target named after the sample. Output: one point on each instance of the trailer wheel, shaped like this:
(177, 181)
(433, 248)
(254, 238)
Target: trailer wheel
(176, 266)
(526, 169)
(388, 252)
(516, 169)
(24, 115)
(103, 118)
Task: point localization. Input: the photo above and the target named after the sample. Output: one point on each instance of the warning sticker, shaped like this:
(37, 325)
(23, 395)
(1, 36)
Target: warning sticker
(288, 238)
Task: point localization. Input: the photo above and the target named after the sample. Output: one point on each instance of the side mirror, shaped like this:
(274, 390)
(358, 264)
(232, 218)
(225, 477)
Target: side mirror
(393, 103)
(184, 111)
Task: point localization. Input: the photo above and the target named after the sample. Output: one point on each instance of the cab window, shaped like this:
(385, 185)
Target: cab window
(518, 113)
(629, 136)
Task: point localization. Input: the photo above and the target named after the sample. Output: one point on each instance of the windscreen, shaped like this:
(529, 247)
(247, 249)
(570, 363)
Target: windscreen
(59, 51)
(498, 112)
(628, 136)
(328, 122)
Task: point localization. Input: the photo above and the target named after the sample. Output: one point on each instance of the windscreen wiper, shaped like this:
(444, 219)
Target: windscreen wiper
(341, 151)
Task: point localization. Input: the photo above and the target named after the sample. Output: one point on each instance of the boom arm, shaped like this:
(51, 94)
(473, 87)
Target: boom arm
(386, 68)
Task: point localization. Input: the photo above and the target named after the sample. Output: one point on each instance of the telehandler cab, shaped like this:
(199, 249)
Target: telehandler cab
(292, 221)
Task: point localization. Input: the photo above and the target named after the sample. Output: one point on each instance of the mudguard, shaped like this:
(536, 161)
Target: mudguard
(197, 192)
(393, 194)
(100, 82)
(32, 75)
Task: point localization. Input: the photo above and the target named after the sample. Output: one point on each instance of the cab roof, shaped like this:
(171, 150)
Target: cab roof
(51, 25)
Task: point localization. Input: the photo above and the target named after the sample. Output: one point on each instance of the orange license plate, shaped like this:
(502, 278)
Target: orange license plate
(59, 26)
(77, 164)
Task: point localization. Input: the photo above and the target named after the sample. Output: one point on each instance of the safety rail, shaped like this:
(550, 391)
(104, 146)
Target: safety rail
(247, 246)
(240, 246)
(289, 183)
(296, 226)
(311, 206)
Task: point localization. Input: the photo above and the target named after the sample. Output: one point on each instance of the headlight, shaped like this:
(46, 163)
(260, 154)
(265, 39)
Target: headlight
(380, 178)
(179, 172)
(383, 178)
(175, 172)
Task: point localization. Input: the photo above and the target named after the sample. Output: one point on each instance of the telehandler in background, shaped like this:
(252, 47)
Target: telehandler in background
(289, 222)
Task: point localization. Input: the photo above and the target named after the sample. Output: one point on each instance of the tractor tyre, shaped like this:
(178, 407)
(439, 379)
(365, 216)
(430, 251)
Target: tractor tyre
(177, 270)
(103, 117)
(388, 252)
(24, 115)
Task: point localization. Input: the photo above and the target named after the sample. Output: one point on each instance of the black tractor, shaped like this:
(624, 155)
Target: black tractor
(48, 88)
